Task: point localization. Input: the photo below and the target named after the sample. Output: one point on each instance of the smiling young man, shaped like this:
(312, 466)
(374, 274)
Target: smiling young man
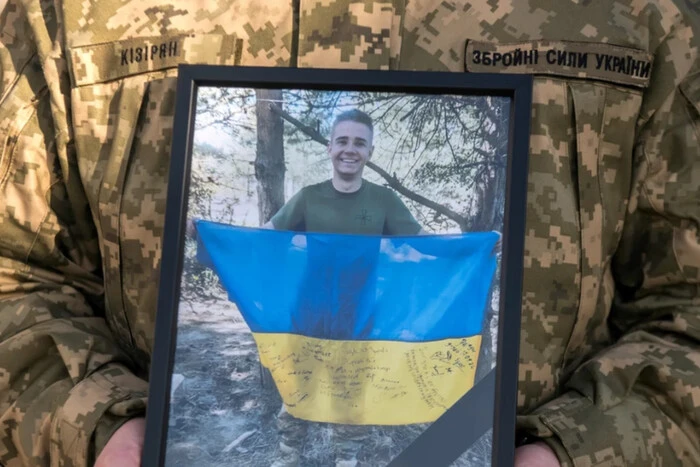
(610, 320)
(347, 203)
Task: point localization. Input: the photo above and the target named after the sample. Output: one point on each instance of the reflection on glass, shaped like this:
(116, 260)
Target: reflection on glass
(340, 283)
(478, 455)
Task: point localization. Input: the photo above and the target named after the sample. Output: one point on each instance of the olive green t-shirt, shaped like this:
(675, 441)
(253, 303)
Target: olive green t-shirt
(371, 210)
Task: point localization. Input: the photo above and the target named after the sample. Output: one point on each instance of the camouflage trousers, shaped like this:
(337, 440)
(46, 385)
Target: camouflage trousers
(347, 439)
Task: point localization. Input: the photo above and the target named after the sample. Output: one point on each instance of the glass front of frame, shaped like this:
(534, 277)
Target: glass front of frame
(340, 286)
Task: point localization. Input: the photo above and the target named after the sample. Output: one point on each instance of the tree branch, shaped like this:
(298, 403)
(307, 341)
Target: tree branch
(398, 186)
(307, 130)
(391, 180)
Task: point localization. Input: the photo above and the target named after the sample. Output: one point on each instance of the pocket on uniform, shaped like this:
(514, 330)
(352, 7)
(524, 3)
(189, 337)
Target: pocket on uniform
(122, 103)
(110, 81)
(25, 174)
(605, 117)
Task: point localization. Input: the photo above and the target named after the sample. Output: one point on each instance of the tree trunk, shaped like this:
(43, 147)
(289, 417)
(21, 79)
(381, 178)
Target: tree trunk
(488, 352)
(269, 158)
(269, 169)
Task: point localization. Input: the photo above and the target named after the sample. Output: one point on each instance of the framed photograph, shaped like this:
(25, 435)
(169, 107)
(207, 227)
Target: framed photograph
(341, 272)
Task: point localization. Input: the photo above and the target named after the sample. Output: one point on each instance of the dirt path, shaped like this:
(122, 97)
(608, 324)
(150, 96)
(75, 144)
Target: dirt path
(222, 416)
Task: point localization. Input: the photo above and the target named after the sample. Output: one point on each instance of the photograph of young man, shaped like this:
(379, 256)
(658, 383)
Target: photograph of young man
(347, 203)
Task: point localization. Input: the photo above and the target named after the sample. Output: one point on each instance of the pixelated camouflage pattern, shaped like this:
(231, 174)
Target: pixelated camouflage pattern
(120, 59)
(611, 314)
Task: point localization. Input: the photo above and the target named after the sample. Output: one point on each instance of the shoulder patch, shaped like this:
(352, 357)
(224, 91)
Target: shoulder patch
(587, 60)
(108, 61)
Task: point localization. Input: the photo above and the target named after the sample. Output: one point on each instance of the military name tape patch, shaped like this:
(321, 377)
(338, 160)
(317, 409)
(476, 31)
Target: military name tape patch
(589, 60)
(114, 60)
(152, 52)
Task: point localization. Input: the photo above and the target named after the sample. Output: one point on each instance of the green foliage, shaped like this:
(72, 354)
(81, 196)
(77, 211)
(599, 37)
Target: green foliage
(206, 201)
(445, 156)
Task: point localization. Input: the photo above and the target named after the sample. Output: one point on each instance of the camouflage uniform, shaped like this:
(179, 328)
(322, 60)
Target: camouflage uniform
(611, 315)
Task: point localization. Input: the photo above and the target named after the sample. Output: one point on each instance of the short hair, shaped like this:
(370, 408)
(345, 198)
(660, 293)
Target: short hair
(353, 115)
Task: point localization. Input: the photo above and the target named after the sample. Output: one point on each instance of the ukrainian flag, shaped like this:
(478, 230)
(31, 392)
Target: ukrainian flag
(359, 329)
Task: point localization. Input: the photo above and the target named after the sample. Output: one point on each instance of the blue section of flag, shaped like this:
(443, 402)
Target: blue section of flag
(353, 287)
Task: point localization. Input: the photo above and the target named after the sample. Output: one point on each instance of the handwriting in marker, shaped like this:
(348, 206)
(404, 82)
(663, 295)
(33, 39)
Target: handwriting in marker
(358, 380)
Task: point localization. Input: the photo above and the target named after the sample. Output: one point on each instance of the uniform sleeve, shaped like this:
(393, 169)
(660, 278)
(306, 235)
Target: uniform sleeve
(65, 384)
(637, 403)
(291, 215)
(399, 220)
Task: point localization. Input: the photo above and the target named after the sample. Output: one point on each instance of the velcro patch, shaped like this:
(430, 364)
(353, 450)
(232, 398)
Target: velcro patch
(114, 60)
(588, 60)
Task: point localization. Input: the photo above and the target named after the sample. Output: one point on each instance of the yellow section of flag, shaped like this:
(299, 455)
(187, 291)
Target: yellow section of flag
(368, 382)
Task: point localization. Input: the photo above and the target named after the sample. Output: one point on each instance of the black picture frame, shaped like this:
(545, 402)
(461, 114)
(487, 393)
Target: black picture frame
(450, 435)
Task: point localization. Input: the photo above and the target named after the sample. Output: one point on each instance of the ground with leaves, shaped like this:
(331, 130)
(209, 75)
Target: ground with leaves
(221, 415)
